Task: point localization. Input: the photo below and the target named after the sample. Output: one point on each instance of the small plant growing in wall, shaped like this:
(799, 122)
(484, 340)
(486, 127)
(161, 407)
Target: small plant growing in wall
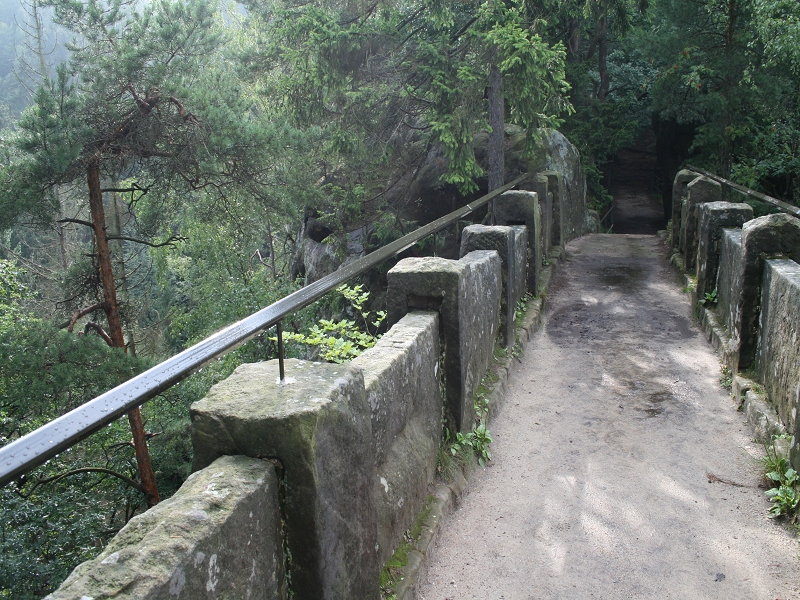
(710, 299)
(341, 341)
(783, 481)
(522, 308)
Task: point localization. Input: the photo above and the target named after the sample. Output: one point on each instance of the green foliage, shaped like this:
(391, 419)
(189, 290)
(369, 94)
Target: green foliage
(783, 481)
(49, 524)
(778, 26)
(341, 341)
(454, 58)
(42, 538)
(476, 442)
(521, 308)
(710, 299)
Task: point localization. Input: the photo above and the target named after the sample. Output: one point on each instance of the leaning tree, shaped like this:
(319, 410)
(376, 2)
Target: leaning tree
(147, 98)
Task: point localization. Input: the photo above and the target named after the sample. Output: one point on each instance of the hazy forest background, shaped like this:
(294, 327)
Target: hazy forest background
(203, 135)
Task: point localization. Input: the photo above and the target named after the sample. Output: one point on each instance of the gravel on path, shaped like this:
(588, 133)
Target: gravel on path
(607, 455)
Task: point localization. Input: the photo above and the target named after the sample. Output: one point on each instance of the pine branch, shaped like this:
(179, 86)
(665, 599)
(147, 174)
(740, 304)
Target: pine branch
(78, 221)
(100, 331)
(56, 478)
(82, 313)
(169, 242)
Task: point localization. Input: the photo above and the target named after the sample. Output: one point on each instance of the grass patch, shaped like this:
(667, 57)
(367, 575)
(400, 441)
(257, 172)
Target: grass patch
(392, 572)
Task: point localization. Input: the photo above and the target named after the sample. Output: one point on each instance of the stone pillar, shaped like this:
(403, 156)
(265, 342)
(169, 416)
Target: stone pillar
(770, 236)
(511, 243)
(555, 186)
(682, 179)
(778, 358)
(401, 376)
(714, 216)
(467, 295)
(522, 208)
(219, 536)
(729, 284)
(317, 426)
(699, 191)
(540, 186)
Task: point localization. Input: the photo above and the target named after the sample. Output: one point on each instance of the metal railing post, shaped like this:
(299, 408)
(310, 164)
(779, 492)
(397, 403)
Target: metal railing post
(281, 367)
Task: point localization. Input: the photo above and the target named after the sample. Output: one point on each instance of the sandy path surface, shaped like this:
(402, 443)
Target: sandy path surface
(599, 487)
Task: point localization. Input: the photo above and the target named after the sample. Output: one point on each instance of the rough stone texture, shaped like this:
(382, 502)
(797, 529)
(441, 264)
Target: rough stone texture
(713, 217)
(564, 158)
(217, 537)
(540, 184)
(401, 376)
(699, 191)
(778, 356)
(511, 244)
(314, 260)
(761, 415)
(682, 179)
(762, 238)
(467, 295)
(318, 427)
(729, 281)
(555, 186)
(522, 208)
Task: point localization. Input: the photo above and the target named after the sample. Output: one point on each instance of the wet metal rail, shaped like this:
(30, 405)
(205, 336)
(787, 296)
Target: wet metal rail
(779, 204)
(30, 451)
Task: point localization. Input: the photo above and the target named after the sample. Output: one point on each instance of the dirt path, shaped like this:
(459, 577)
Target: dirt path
(599, 486)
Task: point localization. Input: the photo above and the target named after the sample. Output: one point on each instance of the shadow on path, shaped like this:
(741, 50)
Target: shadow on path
(604, 455)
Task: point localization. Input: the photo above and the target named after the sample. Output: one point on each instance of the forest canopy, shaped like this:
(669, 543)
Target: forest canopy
(163, 161)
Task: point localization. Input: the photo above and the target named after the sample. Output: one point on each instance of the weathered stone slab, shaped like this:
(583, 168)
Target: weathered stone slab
(217, 537)
(522, 208)
(555, 185)
(540, 184)
(765, 237)
(699, 191)
(778, 356)
(520, 261)
(467, 295)
(682, 179)
(401, 375)
(511, 243)
(318, 426)
(714, 216)
(729, 282)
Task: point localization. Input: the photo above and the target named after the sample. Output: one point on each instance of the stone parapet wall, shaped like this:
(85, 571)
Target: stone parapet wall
(466, 293)
(752, 264)
(307, 486)
(402, 376)
(778, 357)
(511, 243)
(729, 278)
(219, 536)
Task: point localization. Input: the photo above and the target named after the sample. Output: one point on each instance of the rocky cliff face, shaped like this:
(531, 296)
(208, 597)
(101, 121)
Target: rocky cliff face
(419, 195)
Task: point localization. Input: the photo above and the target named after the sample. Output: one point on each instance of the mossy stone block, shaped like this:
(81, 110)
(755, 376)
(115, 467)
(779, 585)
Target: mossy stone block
(217, 537)
(317, 425)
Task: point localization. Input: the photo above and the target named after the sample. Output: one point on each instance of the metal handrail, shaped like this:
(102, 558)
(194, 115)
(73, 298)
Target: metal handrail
(610, 213)
(37, 447)
(779, 204)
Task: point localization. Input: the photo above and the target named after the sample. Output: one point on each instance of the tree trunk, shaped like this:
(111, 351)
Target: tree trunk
(602, 57)
(118, 259)
(111, 307)
(496, 143)
(574, 39)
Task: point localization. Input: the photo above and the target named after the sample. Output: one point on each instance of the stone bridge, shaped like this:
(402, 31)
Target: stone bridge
(613, 428)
